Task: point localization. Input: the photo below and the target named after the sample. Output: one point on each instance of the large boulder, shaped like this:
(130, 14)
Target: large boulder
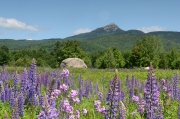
(73, 62)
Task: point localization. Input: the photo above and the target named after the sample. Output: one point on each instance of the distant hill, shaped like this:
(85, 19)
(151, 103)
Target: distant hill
(99, 39)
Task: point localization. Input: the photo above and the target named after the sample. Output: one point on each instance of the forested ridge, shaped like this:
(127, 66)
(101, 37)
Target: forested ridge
(106, 52)
(123, 42)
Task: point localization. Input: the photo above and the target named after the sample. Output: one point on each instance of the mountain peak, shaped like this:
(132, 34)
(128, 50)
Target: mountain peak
(111, 27)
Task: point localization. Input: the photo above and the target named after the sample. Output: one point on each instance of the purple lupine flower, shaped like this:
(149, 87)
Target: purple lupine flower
(98, 107)
(24, 82)
(1, 85)
(8, 95)
(48, 111)
(45, 80)
(127, 81)
(102, 109)
(71, 116)
(58, 84)
(33, 83)
(76, 100)
(73, 94)
(80, 94)
(51, 88)
(41, 100)
(52, 101)
(112, 98)
(15, 87)
(21, 105)
(135, 99)
(133, 81)
(77, 114)
(80, 82)
(122, 110)
(97, 103)
(100, 95)
(56, 93)
(67, 108)
(170, 90)
(131, 92)
(53, 74)
(175, 87)
(141, 106)
(36, 103)
(12, 100)
(152, 95)
(7, 91)
(87, 91)
(63, 87)
(3, 99)
(15, 113)
(163, 81)
(64, 73)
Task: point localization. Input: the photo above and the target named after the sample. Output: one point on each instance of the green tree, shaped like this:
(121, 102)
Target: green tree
(164, 61)
(4, 55)
(146, 50)
(174, 57)
(127, 57)
(119, 59)
(69, 49)
(111, 58)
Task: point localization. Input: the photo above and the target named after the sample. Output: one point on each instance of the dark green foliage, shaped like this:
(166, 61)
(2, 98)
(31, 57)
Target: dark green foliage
(164, 61)
(4, 55)
(174, 59)
(124, 40)
(69, 49)
(145, 51)
(111, 58)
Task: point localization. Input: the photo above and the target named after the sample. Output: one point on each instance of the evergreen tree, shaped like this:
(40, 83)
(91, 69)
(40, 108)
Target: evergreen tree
(4, 55)
(145, 51)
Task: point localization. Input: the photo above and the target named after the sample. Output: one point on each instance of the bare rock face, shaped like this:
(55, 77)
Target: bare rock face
(73, 62)
(111, 27)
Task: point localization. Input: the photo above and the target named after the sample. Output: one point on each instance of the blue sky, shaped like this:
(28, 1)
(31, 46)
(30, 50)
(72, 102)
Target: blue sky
(43, 19)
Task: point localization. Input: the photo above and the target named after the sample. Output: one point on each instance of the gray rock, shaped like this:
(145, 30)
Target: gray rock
(73, 62)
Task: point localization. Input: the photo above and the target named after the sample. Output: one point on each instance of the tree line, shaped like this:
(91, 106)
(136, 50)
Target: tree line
(147, 49)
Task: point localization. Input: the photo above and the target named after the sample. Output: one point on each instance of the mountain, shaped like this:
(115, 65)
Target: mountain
(100, 39)
(108, 30)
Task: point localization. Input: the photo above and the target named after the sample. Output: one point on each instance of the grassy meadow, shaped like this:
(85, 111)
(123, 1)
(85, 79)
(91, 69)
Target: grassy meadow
(88, 82)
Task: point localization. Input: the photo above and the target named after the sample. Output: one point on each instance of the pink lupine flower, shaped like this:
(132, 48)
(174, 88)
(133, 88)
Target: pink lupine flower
(100, 94)
(164, 88)
(64, 73)
(77, 114)
(56, 93)
(76, 100)
(135, 98)
(101, 109)
(63, 87)
(97, 103)
(71, 117)
(73, 94)
(67, 107)
(84, 111)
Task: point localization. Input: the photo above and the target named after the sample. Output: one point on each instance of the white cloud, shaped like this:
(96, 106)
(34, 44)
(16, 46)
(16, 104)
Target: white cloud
(14, 24)
(79, 31)
(29, 39)
(152, 28)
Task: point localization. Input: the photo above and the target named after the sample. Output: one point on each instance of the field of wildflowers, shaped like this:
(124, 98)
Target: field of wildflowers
(89, 94)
